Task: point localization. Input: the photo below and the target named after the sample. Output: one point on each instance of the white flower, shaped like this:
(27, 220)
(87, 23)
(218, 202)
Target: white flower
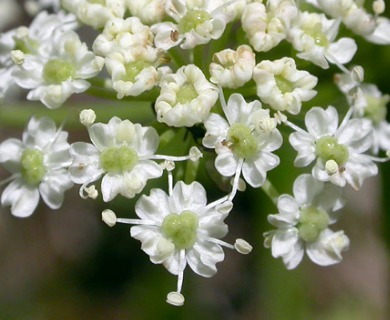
(232, 69)
(95, 13)
(369, 103)
(121, 34)
(335, 146)
(197, 22)
(135, 70)
(381, 33)
(29, 41)
(179, 229)
(302, 224)
(282, 86)
(38, 164)
(186, 97)
(266, 25)
(59, 70)
(121, 153)
(148, 11)
(244, 142)
(313, 35)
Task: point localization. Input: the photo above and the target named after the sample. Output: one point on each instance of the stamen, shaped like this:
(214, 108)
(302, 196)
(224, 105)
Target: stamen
(109, 217)
(236, 179)
(91, 192)
(294, 127)
(222, 99)
(175, 298)
(243, 246)
(13, 177)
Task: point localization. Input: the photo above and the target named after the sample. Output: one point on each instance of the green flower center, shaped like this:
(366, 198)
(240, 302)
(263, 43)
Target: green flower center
(320, 39)
(181, 229)
(118, 159)
(327, 148)
(311, 223)
(192, 20)
(33, 169)
(244, 145)
(56, 71)
(26, 45)
(376, 109)
(283, 84)
(186, 93)
(133, 69)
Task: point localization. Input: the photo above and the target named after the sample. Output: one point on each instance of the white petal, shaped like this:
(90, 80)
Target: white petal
(190, 197)
(22, 198)
(153, 207)
(53, 187)
(203, 257)
(226, 164)
(341, 51)
(10, 153)
(306, 189)
(321, 122)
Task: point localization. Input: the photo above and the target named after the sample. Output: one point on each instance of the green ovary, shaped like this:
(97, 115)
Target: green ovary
(192, 20)
(318, 35)
(181, 229)
(33, 169)
(57, 71)
(118, 159)
(283, 84)
(186, 93)
(327, 148)
(376, 109)
(133, 69)
(244, 145)
(26, 45)
(311, 223)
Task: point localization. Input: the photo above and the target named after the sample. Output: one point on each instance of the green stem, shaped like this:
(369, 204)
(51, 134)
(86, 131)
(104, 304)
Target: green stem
(270, 191)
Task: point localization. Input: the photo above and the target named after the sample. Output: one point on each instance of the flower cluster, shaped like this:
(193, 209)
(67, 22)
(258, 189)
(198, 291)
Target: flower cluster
(208, 69)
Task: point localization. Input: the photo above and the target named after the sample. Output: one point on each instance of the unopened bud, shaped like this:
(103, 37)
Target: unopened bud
(87, 117)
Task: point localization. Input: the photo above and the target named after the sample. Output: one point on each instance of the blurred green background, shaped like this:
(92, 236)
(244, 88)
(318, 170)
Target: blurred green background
(68, 265)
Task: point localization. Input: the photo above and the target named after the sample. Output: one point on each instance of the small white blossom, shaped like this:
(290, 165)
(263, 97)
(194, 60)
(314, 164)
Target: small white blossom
(148, 11)
(179, 229)
(197, 22)
(38, 164)
(371, 104)
(121, 153)
(95, 13)
(266, 25)
(313, 35)
(240, 143)
(121, 34)
(186, 97)
(232, 69)
(29, 40)
(282, 86)
(302, 224)
(60, 70)
(327, 141)
(135, 70)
